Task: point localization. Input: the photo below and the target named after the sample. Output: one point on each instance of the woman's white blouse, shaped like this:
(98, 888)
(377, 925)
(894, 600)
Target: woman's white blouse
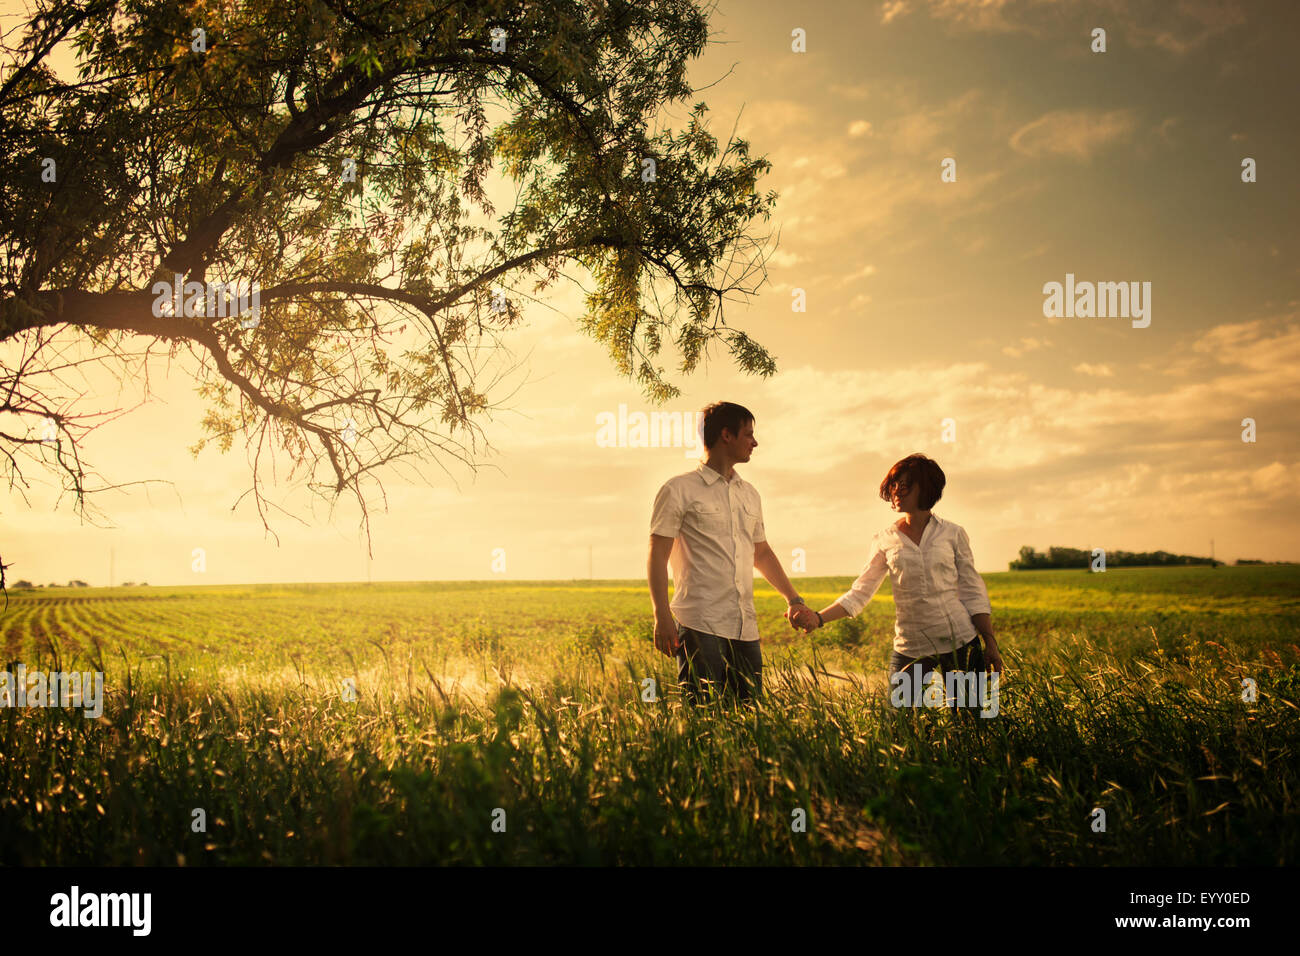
(936, 587)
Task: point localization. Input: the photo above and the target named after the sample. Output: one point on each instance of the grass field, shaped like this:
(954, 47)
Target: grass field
(504, 722)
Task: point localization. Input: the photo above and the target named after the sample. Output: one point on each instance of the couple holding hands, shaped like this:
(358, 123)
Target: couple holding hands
(709, 524)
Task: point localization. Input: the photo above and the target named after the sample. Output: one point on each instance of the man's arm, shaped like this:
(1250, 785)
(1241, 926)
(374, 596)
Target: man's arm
(769, 565)
(665, 525)
(666, 637)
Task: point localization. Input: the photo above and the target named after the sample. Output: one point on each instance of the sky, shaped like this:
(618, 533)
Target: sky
(924, 305)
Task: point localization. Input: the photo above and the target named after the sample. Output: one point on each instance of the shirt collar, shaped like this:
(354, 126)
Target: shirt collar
(934, 520)
(710, 476)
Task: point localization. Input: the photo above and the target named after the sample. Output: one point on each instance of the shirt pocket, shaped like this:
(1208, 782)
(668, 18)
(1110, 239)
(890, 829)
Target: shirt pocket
(709, 518)
(749, 519)
(943, 566)
(905, 570)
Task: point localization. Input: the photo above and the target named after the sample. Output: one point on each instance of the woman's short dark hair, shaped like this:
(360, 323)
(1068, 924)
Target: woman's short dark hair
(919, 472)
(722, 415)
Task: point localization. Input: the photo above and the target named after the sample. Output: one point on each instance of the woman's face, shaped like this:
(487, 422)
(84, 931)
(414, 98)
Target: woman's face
(905, 497)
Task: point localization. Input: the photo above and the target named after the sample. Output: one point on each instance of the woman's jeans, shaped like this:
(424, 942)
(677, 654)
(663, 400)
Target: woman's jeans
(969, 657)
(708, 666)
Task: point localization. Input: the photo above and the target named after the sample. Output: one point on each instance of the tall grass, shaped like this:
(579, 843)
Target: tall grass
(587, 772)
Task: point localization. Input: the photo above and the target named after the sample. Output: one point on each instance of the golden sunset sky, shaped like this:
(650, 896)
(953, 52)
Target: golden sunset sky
(924, 302)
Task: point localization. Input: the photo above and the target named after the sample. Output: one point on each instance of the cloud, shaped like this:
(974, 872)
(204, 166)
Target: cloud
(988, 16)
(880, 176)
(1254, 361)
(1018, 419)
(1178, 28)
(1100, 371)
(892, 9)
(855, 91)
(917, 130)
(773, 119)
(865, 272)
(783, 259)
(1079, 134)
(1026, 345)
(1184, 29)
(917, 133)
(1167, 124)
(1231, 342)
(850, 189)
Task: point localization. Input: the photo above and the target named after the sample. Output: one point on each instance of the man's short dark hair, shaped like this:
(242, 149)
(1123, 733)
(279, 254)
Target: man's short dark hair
(722, 415)
(919, 472)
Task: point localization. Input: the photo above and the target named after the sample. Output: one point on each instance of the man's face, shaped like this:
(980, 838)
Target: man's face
(740, 447)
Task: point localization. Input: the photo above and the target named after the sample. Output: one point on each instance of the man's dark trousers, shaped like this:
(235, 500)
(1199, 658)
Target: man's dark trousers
(709, 666)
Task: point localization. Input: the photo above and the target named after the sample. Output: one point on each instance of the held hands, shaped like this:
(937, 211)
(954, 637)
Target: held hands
(801, 615)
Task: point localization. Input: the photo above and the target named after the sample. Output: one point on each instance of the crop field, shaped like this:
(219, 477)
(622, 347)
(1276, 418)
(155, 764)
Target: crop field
(516, 723)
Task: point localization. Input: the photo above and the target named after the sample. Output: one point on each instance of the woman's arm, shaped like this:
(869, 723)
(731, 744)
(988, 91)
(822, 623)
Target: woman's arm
(972, 593)
(833, 613)
(861, 591)
(974, 597)
(984, 624)
(859, 594)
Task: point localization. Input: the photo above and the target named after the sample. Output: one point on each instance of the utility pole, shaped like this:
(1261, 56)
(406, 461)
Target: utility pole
(1213, 563)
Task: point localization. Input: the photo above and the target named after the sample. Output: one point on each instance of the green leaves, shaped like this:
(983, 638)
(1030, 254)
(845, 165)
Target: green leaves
(229, 159)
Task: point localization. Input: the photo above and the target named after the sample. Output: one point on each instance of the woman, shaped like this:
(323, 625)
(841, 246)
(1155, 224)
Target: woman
(942, 604)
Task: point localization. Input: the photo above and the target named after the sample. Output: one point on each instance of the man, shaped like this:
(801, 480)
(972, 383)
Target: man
(710, 522)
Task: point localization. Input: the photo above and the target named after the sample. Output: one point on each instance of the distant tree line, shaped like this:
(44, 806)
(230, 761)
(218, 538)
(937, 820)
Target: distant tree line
(71, 584)
(77, 583)
(1077, 558)
(1240, 561)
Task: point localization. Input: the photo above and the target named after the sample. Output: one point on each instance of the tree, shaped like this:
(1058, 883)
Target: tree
(1029, 559)
(304, 175)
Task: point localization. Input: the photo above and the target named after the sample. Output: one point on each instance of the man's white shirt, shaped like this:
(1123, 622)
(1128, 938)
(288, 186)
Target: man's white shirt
(716, 524)
(935, 584)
